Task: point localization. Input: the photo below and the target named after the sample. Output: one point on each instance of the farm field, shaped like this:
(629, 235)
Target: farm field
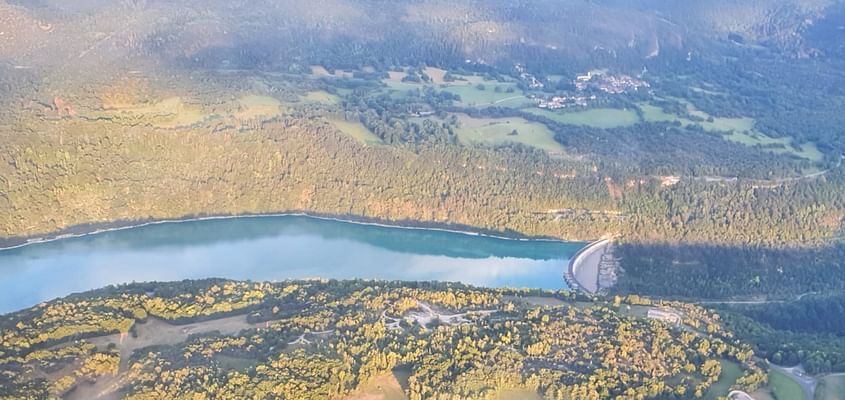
(495, 131)
(493, 93)
(604, 118)
(831, 387)
(357, 130)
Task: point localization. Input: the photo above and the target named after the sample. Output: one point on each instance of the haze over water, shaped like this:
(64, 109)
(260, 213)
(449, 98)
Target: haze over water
(274, 248)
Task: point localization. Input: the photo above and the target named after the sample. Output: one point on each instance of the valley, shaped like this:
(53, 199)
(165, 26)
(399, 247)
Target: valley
(697, 146)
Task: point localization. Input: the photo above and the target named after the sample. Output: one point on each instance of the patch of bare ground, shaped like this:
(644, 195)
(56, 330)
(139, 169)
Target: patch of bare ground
(154, 332)
(387, 386)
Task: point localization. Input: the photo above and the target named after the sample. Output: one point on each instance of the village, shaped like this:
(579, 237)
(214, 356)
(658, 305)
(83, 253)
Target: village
(585, 88)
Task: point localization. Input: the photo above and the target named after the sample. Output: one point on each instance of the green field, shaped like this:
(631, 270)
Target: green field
(783, 387)
(467, 88)
(831, 388)
(731, 371)
(499, 130)
(320, 97)
(742, 131)
(252, 107)
(603, 118)
(471, 95)
(357, 130)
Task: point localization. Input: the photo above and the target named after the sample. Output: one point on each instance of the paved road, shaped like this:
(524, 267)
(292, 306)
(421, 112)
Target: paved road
(808, 383)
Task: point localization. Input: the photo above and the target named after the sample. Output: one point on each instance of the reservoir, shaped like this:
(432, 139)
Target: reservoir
(274, 248)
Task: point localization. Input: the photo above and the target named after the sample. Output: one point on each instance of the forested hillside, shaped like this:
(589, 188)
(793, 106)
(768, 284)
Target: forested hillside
(714, 125)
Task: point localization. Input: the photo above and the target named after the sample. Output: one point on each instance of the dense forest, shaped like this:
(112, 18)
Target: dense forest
(721, 272)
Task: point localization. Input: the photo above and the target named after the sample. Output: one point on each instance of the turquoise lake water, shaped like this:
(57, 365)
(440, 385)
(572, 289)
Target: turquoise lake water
(274, 248)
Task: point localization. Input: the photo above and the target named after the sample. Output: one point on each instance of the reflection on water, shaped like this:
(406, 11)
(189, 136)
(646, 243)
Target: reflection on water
(274, 248)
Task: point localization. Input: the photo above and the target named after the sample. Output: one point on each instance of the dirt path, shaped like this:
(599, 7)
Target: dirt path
(766, 182)
(151, 333)
(428, 315)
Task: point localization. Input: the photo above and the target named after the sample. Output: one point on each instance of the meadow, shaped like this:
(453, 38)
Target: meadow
(741, 130)
(731, 371)
(831, 387)
(783, 387)
(603, 118)
(496, 131)
(357, 130)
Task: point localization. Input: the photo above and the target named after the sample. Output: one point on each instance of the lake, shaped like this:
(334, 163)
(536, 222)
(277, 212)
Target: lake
(274, 248)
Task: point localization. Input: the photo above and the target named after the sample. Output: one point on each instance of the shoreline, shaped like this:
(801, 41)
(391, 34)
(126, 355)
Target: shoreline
(577, 261)
(77, 231)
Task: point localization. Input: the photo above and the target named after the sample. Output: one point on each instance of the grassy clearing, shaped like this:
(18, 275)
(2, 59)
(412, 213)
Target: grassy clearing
(831, 388)
(171, 112)
(252, 107)
(782, 145)
(382, 387)
(603, 118)
(783, 387)
(235, 363)
(493, 92)
(319, 70)
(472, 95)
(320, 97)
(499, 130)
(436, 75)
(762, 394)
(707, 91)
(357, 130)
(517, 394)
(741, 131)
(731, 371)
(635, 311)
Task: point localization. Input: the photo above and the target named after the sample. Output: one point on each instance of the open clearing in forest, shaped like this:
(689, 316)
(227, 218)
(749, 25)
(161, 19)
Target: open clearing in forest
(474, 90)
(319, 70)
(169, 113)
(731, 371)
(495, 131)
(388, 386)
(741, 130)
(252, 107)
(357, 130)
(489, 93)
(154, 332)
(320, 96)
(783, 387)
(517, 394)
(603, 118)
(831, 387)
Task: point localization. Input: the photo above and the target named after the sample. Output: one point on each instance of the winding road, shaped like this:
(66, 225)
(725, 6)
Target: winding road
(807, 382)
